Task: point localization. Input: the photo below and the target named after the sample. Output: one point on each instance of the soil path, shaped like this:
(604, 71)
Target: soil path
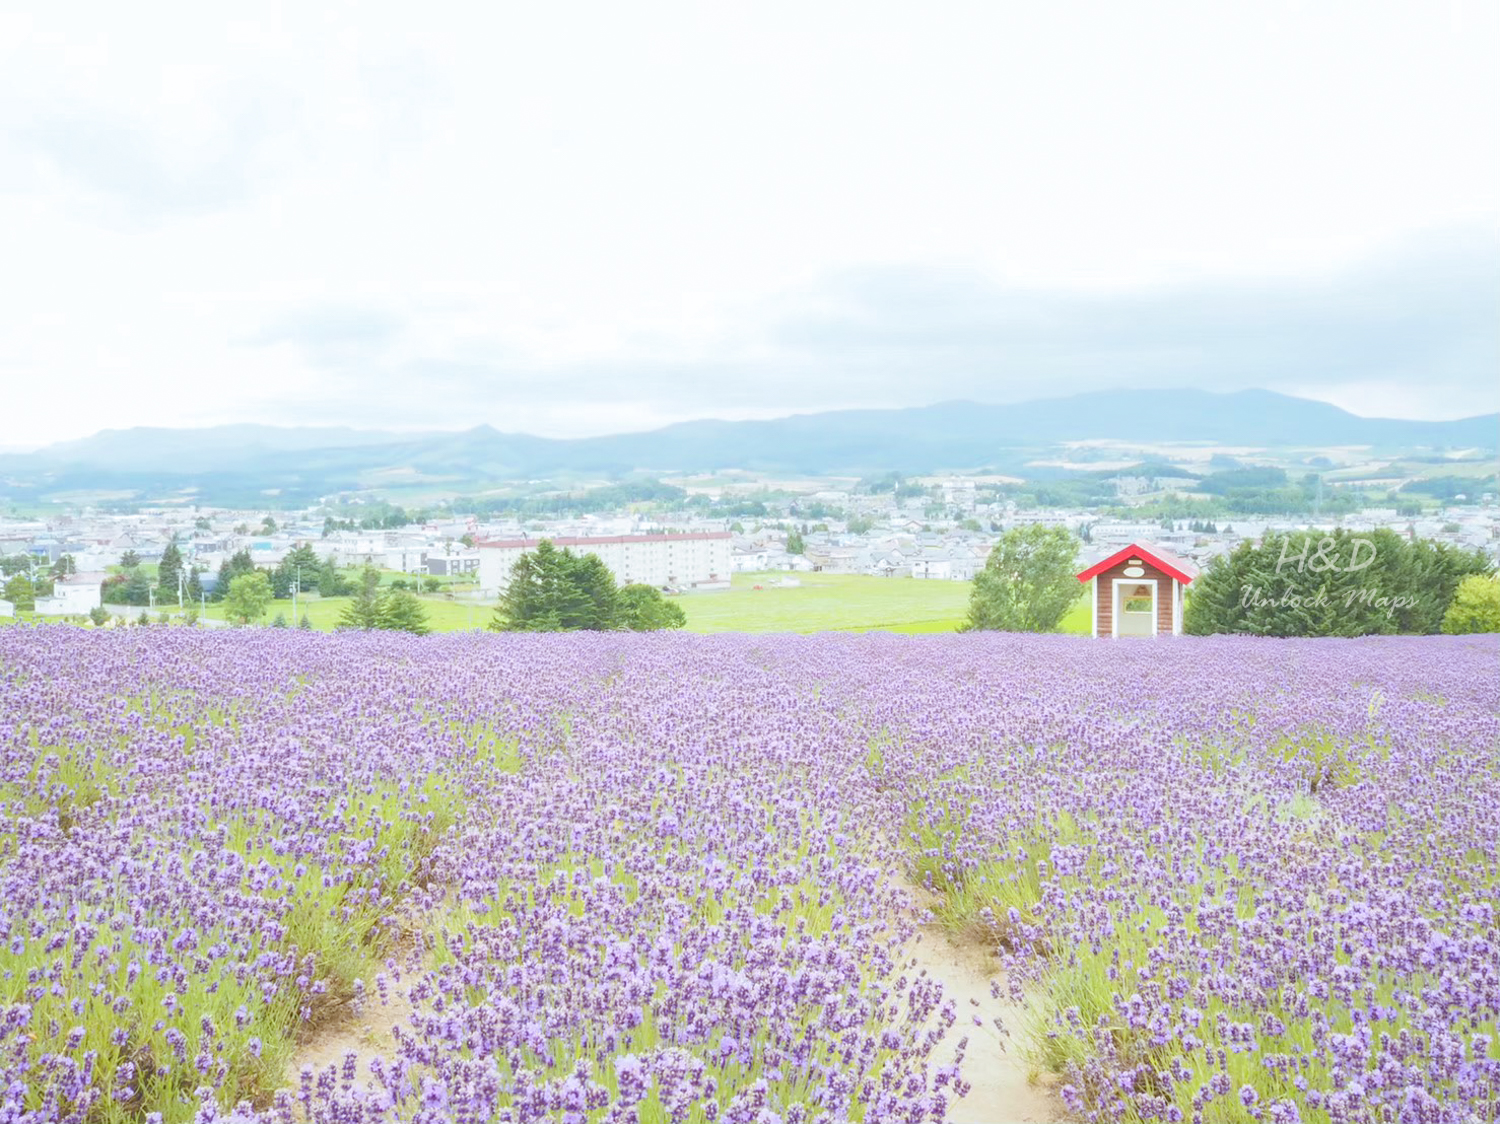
(369, 1034)
(1003, 1091)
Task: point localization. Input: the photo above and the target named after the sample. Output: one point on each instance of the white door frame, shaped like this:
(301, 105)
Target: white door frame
(1114, 617)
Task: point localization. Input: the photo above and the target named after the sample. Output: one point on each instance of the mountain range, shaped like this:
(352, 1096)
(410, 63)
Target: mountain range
(301, 463)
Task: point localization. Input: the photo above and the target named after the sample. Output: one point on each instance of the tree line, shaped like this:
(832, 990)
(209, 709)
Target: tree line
(22, 585)
(1340, 584)
(1298, 584)
(300, 568)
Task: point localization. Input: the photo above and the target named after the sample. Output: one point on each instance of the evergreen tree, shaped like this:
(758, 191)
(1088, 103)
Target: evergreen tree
(363, 610)
(194, 586)
(331, 582)
(134, 589)
(328, 578)
(794, 543)
(304, 624)
(554, 590)
(130, 560)
(600, 608)
(1432, 574)
(521, 606)
(301, 568)
(564, 604)
(236, 565)
(168, 572)
(1339, 584)
(400, 611)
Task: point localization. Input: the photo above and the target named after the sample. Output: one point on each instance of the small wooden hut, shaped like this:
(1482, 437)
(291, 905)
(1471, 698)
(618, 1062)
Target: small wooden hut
(1138, 591)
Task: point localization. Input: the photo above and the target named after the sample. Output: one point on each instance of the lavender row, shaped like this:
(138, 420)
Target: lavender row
(660, 877)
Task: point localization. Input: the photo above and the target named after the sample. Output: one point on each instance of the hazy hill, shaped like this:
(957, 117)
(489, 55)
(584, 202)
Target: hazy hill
(159, 449)
(307, 461)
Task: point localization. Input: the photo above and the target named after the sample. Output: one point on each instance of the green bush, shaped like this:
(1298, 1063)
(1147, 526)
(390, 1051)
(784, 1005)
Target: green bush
(1475, 606)
(1028, 583)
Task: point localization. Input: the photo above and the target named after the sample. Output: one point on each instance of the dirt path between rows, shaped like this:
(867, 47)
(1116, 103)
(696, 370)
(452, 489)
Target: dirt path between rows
(1003, 1091)
(370, 1034)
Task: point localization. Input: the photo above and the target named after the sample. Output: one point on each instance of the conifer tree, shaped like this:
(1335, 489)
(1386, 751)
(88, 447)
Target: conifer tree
(554, 590)
(168, 571)
(599, 605)
(1338, 584)
(363, 610)
(400, 611)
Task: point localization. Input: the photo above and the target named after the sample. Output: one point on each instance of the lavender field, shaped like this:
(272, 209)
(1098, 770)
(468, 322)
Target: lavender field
(670, 878)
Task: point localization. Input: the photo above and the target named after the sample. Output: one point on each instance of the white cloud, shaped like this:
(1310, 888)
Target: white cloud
(534, 197)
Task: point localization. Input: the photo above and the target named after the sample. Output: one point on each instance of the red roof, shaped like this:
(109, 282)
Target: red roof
(1163, 560)
(597, 540)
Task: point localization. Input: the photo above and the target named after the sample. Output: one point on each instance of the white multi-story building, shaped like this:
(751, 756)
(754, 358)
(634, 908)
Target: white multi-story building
(72, 595)
(408, 559)
(688, 561)
(355, 549)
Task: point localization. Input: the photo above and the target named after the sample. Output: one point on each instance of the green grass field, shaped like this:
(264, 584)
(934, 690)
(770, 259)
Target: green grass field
(820, 603)
(840, 603)
(828, 603)
(323, 612)
(1078, 620)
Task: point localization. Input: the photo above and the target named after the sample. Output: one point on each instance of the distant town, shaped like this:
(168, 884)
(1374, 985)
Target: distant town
(688, 540)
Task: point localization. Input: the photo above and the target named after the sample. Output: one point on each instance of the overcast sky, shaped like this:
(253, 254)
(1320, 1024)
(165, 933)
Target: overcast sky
(582, 218)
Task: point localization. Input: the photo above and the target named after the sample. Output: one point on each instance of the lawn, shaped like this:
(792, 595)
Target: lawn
(1078, 620)
(828, 603)
(840, 603)
(323, 612)
(821, 603)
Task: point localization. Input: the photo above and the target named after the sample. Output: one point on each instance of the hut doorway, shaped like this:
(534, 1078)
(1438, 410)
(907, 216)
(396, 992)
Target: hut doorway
(1135, 607)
